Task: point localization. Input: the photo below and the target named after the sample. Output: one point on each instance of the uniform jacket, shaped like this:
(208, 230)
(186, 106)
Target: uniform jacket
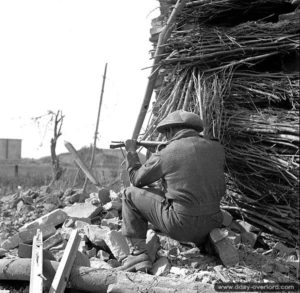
(191, 169)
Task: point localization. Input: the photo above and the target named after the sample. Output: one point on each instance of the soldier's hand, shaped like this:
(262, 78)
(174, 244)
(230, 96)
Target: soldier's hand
(130, 145)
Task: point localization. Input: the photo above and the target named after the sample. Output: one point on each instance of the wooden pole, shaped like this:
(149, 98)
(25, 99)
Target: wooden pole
(36, 271)
(65, 266)
(81, 164)
(163, 36)
(97, 126)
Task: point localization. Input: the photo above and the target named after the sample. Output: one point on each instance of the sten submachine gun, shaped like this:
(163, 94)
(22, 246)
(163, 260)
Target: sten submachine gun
(142, 143)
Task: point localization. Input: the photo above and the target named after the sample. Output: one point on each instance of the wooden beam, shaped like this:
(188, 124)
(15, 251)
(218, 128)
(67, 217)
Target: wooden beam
(64, 269)
(163, 37)
(36, 270)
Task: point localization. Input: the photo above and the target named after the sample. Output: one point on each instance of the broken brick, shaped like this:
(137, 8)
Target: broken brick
(26, 235)
(53, 218)
(161, 267)
(53, 240)
(283, 250)
(25, 251)
(249, 238)
(81, 259)
(11, 243)
(117, 244)
(226, 251)
(227, 218)
(248, 227)
(218, 234)
(96, 234)
(2, 252)
(91, 253)
(103, 255)
(111, 223)
(82, 211)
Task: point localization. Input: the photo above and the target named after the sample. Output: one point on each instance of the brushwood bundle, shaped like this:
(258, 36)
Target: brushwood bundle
(237, 79)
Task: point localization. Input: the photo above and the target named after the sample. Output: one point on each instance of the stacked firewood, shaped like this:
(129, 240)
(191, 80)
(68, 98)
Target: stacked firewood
(235, 75)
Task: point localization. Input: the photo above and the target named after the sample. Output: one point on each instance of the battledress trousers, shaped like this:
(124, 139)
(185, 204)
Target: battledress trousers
(187, 208)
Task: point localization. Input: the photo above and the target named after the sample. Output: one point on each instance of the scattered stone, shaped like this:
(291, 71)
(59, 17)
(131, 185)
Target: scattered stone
(99, 264)
(103, 255)
(283, 250)
(193, 252)
(2, 252)
(114, 263)
(20, 205)
(60, 246)
(11, 243)
(96, 234)
(218, 234)
(206, 280)
(26, 235)
(117, 244)
(65, 232)
(281, 268)
(235, 238)
(227, 218)
(78, 196)
(82, 211)
(267, 268)
(226, 251)
(179, 271)
(111, 214)
(53, 218)
(248, 227)
(91, 253)
(44, 190)
(152, 244)
(161, 267)
(82, 246)
(53, 240)
(25, 251)
(112, 223)
(249, 238)
(81, 260)
(117, 205)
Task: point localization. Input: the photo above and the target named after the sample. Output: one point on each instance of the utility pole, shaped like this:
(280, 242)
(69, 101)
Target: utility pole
(97, 126)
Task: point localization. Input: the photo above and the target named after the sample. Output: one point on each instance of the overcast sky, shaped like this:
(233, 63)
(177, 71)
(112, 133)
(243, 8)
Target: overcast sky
(52, 57)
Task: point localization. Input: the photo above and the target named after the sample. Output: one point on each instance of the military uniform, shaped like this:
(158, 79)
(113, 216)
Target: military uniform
(187, 208)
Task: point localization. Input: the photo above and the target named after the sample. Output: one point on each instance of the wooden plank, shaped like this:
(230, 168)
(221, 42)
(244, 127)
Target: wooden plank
(36, 271)
(80, 163)
(64, 269)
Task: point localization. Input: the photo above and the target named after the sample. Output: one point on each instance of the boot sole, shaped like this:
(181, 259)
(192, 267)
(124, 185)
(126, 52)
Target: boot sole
(140, 267)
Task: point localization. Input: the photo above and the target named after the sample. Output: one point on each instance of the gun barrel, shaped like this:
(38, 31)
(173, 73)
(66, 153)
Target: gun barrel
(144, 143)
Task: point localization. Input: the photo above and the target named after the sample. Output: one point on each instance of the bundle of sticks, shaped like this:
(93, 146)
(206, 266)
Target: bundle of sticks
(233, 77)
(217, 48)
(228, 12)
(255, 116)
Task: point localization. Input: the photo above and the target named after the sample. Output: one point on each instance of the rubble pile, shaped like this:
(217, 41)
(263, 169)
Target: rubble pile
(236, 64)
(245, 256)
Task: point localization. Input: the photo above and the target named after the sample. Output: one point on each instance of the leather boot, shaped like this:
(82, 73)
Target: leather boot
(136, 263)
(138, 260)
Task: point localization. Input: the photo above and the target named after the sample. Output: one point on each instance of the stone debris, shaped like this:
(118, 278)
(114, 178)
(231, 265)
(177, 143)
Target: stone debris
(2, 252)
(82, 211)
(26, 234)
(53, 240)
(102, 245)
(53, 218)
(161, 267)
(227, 218)
(117, 244)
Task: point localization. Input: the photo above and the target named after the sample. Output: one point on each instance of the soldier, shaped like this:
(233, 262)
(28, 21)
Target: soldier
(190, 169)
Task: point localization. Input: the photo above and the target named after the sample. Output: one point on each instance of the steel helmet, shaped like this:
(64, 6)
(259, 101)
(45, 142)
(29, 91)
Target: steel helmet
(181, 118)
